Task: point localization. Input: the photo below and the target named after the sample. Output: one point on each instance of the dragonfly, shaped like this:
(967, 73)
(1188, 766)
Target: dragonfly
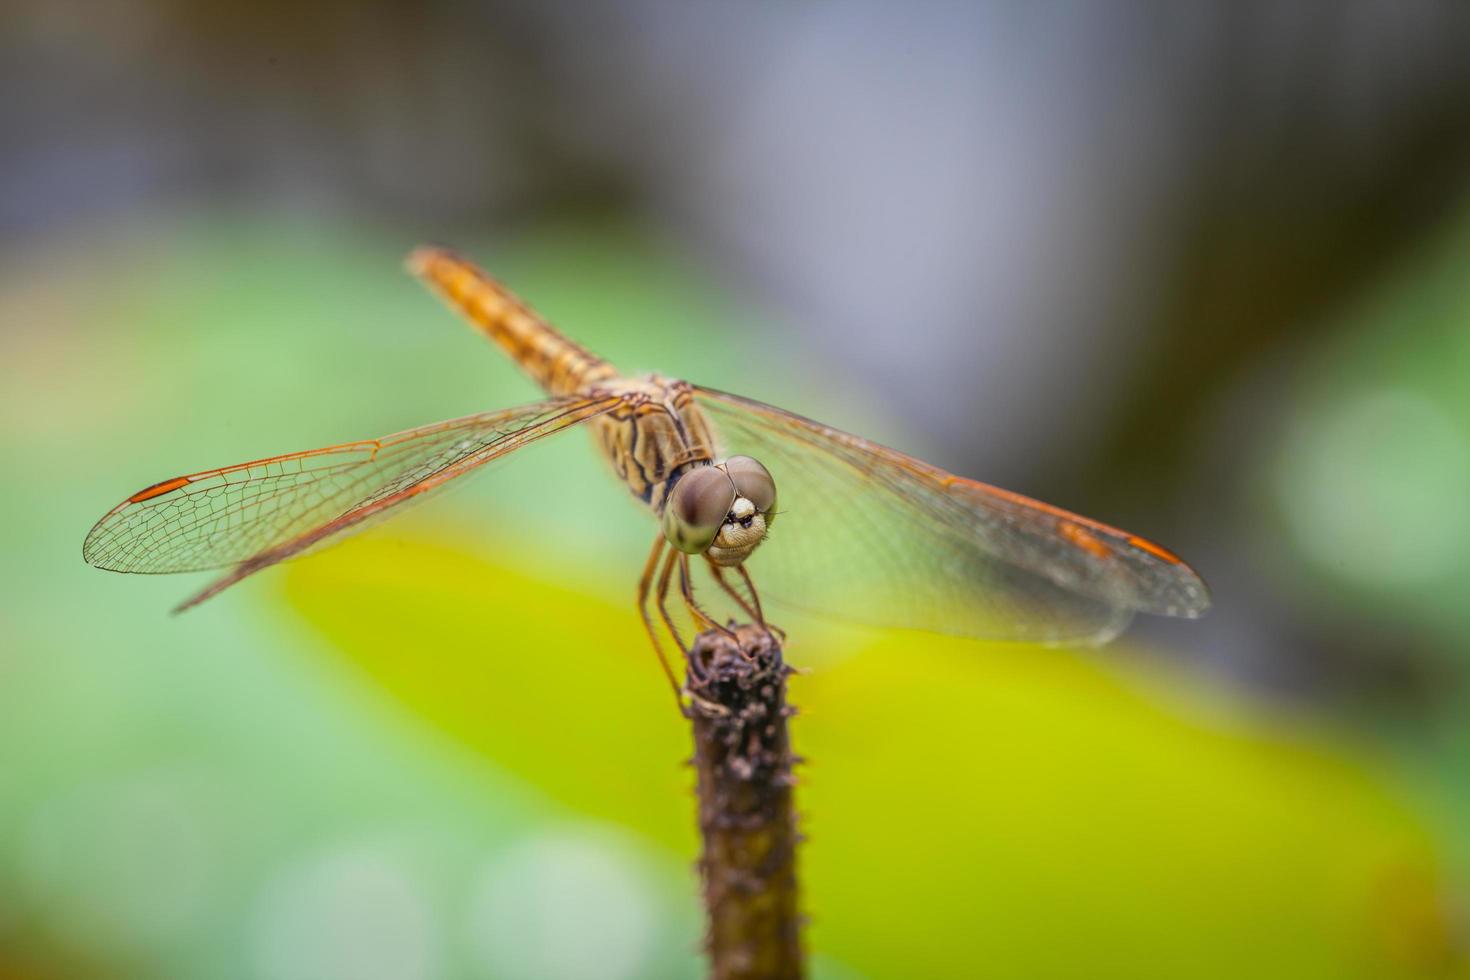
(866, 533)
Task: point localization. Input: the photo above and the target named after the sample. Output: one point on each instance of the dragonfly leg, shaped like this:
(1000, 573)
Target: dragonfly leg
(719, 576)
(755, 597)
(644, 585)
(661, 595)
(703, 619)
(694, 666)
(700, 614)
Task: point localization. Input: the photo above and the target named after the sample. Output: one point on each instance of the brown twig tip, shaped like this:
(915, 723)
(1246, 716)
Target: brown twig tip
(742, 754)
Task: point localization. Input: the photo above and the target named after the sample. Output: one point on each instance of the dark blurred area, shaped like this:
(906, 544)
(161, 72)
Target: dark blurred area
(1195, 269)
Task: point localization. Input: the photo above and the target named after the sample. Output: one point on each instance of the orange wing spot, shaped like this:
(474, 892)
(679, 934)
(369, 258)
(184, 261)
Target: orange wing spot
(159, 489)
(1084, 539)
(1155, 550)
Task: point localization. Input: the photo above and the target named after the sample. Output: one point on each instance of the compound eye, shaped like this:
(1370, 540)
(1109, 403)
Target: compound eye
(753, 481)
(697, 508)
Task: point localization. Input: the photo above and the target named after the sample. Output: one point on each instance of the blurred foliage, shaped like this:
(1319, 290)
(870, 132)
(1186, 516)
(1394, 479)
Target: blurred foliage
(444, 749)
(1374, 467)
(1367, 482)
(967, 805)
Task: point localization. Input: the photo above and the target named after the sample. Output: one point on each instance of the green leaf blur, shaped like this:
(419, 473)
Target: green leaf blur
(396, 727)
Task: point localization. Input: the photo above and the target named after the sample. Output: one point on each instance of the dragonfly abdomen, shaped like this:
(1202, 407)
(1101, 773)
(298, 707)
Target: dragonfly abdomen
(557, 363)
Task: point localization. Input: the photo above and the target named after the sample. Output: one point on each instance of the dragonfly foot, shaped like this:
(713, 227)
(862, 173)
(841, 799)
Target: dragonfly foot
(706, 706)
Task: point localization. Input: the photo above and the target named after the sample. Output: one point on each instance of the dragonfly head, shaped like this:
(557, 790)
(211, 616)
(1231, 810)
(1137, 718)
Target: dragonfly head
(722, 510)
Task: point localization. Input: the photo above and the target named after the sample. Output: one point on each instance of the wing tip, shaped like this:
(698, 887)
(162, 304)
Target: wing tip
(1173, 588)
(1189, 599)
(92, 552)
(214, 588)
(186, 605)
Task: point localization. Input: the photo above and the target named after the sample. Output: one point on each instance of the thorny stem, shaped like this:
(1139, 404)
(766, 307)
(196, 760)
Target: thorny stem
(737, 688)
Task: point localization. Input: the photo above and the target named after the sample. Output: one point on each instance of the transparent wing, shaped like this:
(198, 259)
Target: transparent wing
(872, 535)
(255, 514)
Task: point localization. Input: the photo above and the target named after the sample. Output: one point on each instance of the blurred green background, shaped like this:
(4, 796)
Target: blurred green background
(1201, 273)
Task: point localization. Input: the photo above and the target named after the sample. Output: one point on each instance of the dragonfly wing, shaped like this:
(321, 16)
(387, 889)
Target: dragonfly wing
(255, 514)
(875, 536)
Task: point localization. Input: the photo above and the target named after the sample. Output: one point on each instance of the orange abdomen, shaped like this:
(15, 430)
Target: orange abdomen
(556, 363)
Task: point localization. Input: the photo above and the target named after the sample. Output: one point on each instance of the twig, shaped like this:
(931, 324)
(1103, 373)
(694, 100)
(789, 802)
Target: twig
(743, 758)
